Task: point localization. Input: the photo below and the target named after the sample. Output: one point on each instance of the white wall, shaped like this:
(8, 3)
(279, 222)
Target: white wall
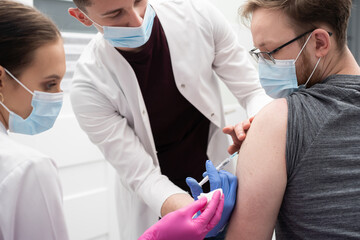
(27, 2)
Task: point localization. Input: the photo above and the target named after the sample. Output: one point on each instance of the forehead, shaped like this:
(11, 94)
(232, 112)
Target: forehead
(270, 27)
(49, 59)
(101, 6)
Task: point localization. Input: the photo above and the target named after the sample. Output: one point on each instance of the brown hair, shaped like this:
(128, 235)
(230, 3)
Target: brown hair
(305, 14)
(23, 30)
(82, 4)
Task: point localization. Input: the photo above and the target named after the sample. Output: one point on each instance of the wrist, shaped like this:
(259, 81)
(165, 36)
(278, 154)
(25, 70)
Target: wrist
(175, 202)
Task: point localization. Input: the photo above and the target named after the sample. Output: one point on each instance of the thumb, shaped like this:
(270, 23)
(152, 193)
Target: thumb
(194, 207)
(194, 186)
(211, 209)
(213, 174)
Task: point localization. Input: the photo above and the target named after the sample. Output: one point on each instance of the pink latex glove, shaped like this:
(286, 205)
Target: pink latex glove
(180, 225)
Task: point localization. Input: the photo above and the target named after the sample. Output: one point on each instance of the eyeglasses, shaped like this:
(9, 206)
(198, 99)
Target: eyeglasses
(268, 55)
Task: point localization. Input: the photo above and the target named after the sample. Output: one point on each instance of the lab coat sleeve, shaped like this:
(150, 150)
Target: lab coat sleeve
(33, 199)
(232, 64)
(111, 132)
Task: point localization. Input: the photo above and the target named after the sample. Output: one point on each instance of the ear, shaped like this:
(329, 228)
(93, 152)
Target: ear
(76, 13)
(323, 42)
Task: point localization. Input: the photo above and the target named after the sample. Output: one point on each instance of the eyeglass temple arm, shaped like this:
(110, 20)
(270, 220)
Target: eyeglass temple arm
(284, 45)
(295, 39)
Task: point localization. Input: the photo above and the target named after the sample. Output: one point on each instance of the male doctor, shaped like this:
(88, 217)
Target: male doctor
(145, 91)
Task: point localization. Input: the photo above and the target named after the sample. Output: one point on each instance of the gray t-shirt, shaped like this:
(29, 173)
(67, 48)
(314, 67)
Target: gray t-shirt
(322, 197)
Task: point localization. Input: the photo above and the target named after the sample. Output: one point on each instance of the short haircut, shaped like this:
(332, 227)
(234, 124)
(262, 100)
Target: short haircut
(306, 14)
(82, 4)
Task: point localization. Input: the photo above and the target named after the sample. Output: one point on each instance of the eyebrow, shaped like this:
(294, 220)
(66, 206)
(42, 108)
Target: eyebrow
(57, 77)
(112, 11)
(262, 45)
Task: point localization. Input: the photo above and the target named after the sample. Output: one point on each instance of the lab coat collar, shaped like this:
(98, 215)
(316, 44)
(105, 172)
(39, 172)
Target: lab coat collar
(2, 128)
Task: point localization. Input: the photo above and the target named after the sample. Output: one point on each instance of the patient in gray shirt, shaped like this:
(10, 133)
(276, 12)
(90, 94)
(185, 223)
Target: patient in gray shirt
(299, 167)
(322, 198)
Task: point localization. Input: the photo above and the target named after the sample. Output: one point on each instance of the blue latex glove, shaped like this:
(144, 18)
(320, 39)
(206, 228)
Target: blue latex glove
(221, 179)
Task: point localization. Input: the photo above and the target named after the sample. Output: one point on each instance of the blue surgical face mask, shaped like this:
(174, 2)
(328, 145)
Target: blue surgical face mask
(130, 37)
(46, 108)
(279, 79)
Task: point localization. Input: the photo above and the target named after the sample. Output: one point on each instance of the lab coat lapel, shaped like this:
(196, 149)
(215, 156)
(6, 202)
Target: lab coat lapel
(129, 85)
(187, 69)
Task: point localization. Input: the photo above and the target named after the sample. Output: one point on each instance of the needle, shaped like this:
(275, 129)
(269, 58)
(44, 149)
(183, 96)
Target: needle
(220, 167)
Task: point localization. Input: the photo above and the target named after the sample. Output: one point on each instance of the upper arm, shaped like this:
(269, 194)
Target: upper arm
(112, 134)
(102, 116)
(262, 177)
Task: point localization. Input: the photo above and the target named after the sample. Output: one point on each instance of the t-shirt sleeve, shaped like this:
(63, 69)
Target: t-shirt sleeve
(301, 120)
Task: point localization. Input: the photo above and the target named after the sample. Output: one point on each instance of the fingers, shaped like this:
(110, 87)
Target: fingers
(215, 220)
(210, 210)
(238, 132)
(231, 131)
(230, 183)
(194, 186)
(194, 207)
(214, 178)
(228, 129)
(225, 184)
(247, 123)
(240, 129)
(233, 148)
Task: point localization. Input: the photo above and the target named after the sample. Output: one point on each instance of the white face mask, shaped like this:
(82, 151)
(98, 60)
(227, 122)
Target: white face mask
(46, 108)
(129, 37)
(280, 80)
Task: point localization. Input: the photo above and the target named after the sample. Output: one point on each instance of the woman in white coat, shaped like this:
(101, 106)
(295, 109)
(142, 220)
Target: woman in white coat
(132, 123)
(32, 64)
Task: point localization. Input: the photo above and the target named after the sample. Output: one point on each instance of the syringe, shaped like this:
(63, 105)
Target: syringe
(220, 167)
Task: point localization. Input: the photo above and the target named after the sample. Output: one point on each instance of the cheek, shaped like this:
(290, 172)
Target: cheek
(303, 68)
(20, 102)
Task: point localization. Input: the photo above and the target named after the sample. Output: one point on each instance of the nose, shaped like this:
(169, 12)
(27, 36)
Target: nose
(135, 19)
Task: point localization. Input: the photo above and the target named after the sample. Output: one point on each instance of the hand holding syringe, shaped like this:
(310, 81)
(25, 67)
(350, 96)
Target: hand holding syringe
(220, 167)
(218, 179)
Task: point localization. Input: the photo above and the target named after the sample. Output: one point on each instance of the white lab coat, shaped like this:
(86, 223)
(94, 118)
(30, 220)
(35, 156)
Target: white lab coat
(109, 106)
(30, 194)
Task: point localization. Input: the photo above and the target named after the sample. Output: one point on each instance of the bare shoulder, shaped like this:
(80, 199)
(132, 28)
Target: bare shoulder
(266, 139)
(274, 114)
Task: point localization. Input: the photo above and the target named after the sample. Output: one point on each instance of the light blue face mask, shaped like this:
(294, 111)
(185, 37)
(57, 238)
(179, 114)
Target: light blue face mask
(46, 108)
(279, 80)
(130, 37)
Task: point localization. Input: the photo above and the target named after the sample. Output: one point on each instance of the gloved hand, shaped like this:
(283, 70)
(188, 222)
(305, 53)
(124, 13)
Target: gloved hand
(221, 179)
(180, 225)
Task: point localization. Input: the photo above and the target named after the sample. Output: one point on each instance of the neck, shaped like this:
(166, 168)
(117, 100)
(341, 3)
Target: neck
(134, 50)
(2, 119)
(341, 63)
